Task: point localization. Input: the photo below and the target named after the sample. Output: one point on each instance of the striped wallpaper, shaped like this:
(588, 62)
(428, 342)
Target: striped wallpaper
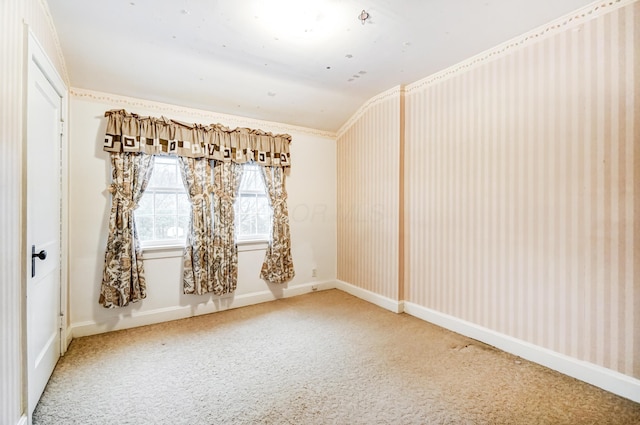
(522, 191)
(11, 130)
(12, 15)
(368, 150)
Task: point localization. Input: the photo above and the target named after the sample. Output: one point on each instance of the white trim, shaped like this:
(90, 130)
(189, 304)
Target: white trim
(54, 33)
(394, 91)
(36, 56)
(168, 251)
(39, 58)
(23, 420)
(64, 218)
(215, 305)
(252, 245)
(163, 244)
(607, 379)
(68, 338)
(570, 20)
(175, 251)
(377, 299)
(309, 287)
(226, 119)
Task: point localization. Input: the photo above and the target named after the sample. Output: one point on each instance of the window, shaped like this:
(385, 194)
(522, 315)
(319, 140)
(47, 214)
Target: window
(253, 213)
(162, 216)
(163, 213)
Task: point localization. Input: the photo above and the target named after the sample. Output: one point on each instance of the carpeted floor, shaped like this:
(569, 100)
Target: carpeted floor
(321, 358)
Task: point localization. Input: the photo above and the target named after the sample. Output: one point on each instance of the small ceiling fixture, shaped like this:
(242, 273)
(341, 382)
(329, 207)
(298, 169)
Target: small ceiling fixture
(363, 16)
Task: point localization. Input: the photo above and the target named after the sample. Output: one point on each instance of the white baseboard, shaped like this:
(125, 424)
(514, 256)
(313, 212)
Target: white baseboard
(68, 338)
(23, 420)
(607, 379)
(166, 314)
(309, 287)
(377, 299)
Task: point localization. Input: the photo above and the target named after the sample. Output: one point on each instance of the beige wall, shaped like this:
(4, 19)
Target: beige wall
(311, 188)
(521, 175)
(13, 14)
(368, 196)
(522, 187)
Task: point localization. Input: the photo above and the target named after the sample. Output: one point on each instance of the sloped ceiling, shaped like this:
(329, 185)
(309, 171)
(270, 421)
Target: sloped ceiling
(305, 63)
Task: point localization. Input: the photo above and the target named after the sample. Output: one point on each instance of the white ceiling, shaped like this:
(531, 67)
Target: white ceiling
(241, 57)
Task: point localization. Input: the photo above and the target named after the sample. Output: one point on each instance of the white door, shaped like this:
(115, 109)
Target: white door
(44, 109)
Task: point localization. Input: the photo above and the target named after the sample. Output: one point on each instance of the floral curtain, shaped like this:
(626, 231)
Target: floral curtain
(226, 182)
(198, 259)
(123, 278)
(278, 264)
(211, 255)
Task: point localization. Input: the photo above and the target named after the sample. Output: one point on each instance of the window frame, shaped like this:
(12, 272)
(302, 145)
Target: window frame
(256, 241)
(173, 190)
(255, 238)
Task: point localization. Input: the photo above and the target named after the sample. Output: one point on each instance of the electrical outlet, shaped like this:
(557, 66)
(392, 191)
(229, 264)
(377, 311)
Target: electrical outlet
(314, 272)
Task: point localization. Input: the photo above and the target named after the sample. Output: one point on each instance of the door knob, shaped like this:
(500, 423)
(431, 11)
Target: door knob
(41, 255)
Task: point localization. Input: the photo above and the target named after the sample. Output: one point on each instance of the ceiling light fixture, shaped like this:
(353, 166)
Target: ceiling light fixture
(363, 16)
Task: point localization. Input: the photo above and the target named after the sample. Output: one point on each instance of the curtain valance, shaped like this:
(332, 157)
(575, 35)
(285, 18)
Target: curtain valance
(128, 132)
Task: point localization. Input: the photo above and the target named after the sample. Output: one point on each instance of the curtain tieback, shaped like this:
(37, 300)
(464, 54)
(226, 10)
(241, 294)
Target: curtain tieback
(118, 194)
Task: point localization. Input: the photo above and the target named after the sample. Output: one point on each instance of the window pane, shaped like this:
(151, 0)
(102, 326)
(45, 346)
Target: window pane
(250, 181)
(144, 226)
(164, 210)
(247, 204)
(264, 224)
(165, 174)
(145, 206)
(165, 203)
(262, 205)
(184, 206)
(183, 225)
(252, 205)
(165, 227)
(246, 177)
(246, 224)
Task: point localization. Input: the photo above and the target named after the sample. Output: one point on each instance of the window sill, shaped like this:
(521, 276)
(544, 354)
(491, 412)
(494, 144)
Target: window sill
(173, 251)
(252, 245)
(162, 251)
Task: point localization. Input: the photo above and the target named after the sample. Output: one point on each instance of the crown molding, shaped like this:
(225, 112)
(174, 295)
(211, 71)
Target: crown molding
(230, 121)
(554, 27)
(561, 24)
(56, 41)
(375, 100)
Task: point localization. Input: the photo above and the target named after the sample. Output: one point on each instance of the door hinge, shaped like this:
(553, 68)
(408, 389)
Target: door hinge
(61, 128)
(61, 321)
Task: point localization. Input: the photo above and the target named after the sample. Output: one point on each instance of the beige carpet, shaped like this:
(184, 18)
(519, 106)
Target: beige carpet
(322, 358)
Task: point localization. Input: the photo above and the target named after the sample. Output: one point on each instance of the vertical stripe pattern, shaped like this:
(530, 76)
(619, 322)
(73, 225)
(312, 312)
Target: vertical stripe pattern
(368, 180)
(12, 83)
(10, 148)
(522, 187)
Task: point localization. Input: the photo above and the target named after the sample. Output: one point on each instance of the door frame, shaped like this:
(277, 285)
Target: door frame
(35, 55)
